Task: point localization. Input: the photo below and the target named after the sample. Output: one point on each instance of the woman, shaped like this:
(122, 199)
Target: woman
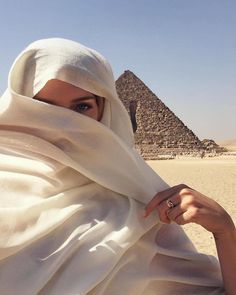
(74, 190)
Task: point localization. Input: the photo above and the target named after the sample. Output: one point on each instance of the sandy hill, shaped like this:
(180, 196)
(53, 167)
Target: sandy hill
(229, 144)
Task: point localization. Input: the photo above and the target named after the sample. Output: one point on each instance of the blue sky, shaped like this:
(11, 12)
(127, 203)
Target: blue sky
(184, 50)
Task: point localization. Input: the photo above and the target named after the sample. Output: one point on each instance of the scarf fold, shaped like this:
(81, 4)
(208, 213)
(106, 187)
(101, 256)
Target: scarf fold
(73, 191)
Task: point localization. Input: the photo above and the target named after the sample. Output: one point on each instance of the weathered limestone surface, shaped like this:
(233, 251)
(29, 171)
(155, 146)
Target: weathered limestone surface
(212, 147)
(157, 129)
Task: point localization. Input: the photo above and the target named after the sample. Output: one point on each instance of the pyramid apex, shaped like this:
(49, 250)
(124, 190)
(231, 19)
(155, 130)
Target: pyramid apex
(127, 73)
(156, 128)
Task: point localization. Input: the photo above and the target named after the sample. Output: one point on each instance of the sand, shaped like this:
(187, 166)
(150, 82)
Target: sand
(230, 145)
(214, 177)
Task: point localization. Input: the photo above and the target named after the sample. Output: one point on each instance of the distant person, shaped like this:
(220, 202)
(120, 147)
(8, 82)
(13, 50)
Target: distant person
(80, 211)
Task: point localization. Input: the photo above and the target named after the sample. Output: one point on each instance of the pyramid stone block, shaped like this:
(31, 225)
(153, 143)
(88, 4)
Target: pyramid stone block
(157, 129)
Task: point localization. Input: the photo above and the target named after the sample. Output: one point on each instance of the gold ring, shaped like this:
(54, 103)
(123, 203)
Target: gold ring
(170, 204)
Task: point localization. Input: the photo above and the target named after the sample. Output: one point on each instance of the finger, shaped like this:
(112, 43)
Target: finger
(184, 197)
(175, 190)
(160, 197)
(163, 208)
(186, 217)
(175, 212)
(183, 204)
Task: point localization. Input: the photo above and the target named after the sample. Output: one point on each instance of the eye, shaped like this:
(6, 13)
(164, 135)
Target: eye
(81, 107)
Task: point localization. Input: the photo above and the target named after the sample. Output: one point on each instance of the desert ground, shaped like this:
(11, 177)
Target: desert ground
(214, 177)
(230, 145)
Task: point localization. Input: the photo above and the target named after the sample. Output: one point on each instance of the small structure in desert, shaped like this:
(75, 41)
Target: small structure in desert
(157, 130)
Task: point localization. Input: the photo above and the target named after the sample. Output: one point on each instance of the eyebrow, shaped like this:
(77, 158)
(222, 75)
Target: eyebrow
(83, 98)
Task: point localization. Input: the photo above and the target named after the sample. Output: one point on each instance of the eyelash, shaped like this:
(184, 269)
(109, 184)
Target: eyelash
(81, 107)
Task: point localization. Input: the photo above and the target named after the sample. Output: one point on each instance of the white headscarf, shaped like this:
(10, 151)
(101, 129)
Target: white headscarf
(73, 192)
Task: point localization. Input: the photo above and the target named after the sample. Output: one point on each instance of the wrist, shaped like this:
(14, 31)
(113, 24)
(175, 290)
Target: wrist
(228, 234)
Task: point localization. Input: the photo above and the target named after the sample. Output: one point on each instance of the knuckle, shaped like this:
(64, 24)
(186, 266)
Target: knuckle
(185, 191)
(190, 200)
(183, 185)
(180, 220)
(195, 213)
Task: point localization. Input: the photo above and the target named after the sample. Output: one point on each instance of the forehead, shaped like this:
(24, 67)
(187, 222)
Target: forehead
(57, 88)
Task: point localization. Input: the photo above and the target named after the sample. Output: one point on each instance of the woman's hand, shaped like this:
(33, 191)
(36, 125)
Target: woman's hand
(182, 204)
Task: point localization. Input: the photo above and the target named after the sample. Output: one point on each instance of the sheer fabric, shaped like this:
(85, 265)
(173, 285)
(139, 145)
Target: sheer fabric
(73, 192)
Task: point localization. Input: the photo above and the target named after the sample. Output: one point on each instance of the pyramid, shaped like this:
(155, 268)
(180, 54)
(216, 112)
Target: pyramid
(157, 130)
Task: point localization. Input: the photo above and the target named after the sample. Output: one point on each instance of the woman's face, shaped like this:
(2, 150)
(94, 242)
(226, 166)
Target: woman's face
(63, 94)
